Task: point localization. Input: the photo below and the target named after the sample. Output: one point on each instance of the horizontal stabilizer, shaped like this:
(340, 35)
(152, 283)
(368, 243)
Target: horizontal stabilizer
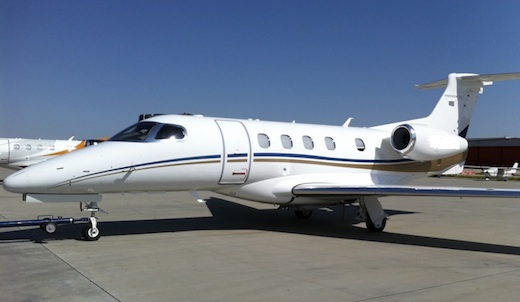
(485, 78)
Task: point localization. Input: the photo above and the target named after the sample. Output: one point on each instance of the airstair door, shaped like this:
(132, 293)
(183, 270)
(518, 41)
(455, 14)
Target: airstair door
(237, 152)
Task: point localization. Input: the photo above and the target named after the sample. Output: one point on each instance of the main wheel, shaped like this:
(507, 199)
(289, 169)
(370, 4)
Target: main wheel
(372, 228)
(90, 233)
(303, 214)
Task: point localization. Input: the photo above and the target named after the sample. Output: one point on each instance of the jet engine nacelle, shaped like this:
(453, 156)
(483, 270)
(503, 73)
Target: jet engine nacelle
(422, 143)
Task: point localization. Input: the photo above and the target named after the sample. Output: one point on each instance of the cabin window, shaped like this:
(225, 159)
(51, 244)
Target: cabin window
(28, 147)
(307, 142)
(92, 142)
(171, 132)
(329, 142)
(16, 147)
(39, 147)
(51, 147)
(263, 140)
(360, 144)
(286, 141)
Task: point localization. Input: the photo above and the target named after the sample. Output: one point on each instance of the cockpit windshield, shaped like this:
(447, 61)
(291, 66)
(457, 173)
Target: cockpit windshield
(136, 132)
(149, 132)
(171, 131)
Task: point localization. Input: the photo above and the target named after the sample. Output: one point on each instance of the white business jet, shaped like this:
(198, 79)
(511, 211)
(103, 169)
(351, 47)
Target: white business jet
(501, 173)
(298, 166)
(18, 153)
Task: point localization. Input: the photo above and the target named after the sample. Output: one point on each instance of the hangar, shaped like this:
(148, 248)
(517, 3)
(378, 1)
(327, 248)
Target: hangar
(499, 152)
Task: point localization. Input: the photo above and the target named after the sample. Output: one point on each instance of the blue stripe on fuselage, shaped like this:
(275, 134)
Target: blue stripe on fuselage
(324, 158)
(161, 162)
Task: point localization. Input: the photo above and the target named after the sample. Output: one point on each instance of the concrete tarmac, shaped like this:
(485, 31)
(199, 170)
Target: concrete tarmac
(169, 247)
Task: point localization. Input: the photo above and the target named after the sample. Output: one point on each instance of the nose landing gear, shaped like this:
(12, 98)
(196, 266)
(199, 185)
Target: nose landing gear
(91, 232)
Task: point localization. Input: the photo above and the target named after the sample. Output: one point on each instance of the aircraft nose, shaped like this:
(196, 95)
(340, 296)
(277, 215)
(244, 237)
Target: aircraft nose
(28, 180)
(16, 182)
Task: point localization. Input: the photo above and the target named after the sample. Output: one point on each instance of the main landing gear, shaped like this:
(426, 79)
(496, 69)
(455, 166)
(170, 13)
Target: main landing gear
(370, 212)
(303, 213)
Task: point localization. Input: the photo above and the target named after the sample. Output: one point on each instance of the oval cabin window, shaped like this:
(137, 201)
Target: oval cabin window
(360, 144)
(329, 142)
(263, 140)
(286, 141)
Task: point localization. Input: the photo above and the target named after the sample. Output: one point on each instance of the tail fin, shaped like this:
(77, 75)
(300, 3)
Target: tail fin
(514, 168)
(453, 110)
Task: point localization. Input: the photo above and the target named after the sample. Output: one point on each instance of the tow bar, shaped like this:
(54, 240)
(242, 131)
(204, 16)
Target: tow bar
(47, 223)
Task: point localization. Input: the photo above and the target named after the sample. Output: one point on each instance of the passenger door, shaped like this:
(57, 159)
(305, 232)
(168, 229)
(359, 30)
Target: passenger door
(237, 152)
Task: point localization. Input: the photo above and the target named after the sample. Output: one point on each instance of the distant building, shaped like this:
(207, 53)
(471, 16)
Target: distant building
(500, 152)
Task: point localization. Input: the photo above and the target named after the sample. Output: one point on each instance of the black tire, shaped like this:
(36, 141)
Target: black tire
(91, 234)
(303, 214)
(372, 228)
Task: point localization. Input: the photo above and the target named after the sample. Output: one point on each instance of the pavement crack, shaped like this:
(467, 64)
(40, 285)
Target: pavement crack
(81, 274)
(68, 264)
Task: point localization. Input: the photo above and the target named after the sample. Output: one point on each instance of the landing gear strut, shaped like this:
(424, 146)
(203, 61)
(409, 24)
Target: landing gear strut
(372, 213)
(91, 232)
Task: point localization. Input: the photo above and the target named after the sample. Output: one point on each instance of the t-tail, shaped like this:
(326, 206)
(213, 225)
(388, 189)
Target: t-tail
(455, 107)
(441, 135)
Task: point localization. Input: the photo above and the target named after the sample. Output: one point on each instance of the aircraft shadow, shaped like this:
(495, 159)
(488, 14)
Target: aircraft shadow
(227, 215)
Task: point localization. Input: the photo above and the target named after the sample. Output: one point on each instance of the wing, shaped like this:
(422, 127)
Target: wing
(334, 190)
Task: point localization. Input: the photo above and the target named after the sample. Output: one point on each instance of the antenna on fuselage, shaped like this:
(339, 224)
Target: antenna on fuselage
(347, 122)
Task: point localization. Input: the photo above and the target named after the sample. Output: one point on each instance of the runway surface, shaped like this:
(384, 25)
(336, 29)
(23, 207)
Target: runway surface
(169, 247)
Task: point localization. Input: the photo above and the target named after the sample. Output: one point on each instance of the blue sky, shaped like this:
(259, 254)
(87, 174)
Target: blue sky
(89, 68)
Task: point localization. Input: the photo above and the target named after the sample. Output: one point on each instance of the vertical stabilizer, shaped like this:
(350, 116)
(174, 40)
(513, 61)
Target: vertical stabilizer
(515, 167)
(453, 110)
(455, 107)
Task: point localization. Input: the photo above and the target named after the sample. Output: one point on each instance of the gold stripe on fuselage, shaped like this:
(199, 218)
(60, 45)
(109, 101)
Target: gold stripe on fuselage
(413, 166)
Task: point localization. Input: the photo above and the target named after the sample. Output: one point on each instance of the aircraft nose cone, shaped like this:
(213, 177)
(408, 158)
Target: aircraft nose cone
(16, 182)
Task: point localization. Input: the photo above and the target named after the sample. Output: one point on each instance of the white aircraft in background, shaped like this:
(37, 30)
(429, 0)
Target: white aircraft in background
(502, 173)
(18, 153)
(498, 172)
(298, 166)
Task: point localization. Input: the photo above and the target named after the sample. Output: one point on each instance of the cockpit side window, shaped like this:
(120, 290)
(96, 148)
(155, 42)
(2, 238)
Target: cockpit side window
(171, 132)
(136, 132)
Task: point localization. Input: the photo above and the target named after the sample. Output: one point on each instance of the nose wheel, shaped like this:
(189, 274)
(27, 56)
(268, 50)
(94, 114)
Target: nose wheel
(91, 232)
